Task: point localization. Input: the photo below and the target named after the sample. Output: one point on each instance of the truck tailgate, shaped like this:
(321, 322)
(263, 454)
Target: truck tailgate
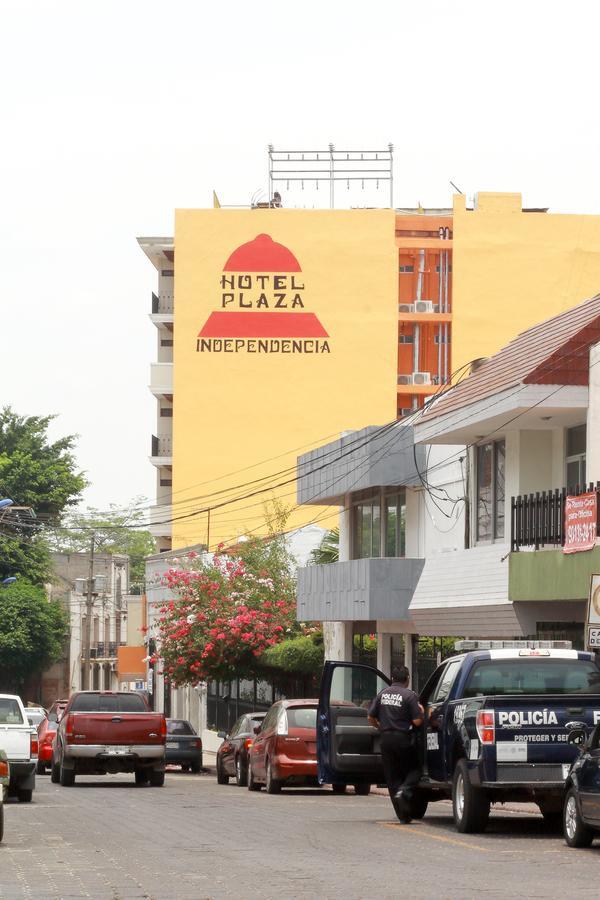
(534, 729)
(16, 741)
(117, 728)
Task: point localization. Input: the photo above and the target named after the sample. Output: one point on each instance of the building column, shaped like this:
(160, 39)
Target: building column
(592, 460)
(384, 652)
(338, 641)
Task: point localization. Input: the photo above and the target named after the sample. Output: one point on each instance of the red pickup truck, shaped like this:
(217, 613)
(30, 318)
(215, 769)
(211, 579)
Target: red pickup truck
(105, 732)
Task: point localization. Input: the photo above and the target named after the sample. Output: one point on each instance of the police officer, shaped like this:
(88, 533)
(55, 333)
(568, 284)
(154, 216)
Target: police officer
(396, 711)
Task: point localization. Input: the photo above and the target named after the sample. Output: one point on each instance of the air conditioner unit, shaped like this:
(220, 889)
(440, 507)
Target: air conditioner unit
(421, 378)
(406, 307)
(405, 379)
(406, 411)
(424, 306)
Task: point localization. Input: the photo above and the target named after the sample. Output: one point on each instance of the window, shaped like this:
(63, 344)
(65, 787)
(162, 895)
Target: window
(166, 342)
(379, 524)
(575, 462)
(446, 681)
(356, 685)
(395, 523)
(179, 726)
(166, 412)
(407, 268)
(117, 703)
(441, 339)
(533, 676)
(166, 482)
(302, 717)
(490, 491)
(406, 339)
(10, 712)
(167, 273)
(366, 536)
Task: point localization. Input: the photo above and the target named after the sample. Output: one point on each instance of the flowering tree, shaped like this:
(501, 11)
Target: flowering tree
(225, 612)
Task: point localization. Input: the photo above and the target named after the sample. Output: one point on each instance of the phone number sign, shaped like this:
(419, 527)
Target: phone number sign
(593, 638)
(581, 522)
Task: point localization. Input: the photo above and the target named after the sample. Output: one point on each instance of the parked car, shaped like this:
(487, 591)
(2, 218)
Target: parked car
(46, 734)
(284, 751)
(20, 741)
(497, 718)
(105, 732)
(184, 747)
(233, 754)
(581, 813)
(4, 779)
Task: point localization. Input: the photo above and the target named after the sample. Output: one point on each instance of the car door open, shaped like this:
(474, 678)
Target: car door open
(347, 746)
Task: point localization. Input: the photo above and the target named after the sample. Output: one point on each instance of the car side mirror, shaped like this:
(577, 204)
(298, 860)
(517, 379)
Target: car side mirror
(222, 734)
(577, 736)
(256, 729)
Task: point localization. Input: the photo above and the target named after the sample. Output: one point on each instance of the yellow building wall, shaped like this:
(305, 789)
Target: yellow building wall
(241, 414)
(512, 269)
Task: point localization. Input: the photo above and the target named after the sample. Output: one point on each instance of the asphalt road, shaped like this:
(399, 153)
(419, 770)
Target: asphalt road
(105, 838)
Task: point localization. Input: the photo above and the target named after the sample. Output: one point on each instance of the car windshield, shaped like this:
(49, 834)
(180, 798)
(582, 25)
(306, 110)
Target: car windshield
(35, 716)
(10, 712)
(302, 716)
(533, 676)
(179, 726)
(108, 703)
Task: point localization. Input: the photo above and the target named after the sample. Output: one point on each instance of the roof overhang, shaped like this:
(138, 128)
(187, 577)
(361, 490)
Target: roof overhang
(521, 406)
(159, 250)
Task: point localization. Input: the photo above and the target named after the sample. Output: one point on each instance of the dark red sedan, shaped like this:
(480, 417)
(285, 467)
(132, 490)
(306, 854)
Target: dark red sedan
(284, 751)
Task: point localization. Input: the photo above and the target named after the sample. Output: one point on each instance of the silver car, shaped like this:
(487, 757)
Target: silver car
(4, 779)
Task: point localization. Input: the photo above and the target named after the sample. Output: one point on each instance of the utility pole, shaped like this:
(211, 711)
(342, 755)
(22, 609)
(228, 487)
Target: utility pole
(89, 603)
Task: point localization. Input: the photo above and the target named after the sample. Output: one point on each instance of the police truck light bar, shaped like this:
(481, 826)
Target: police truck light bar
(464, 646)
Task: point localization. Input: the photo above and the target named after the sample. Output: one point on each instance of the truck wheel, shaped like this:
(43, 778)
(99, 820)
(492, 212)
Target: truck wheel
(25, 795)
(222, 778)
(67, 776)
(54, 772)
(363, 790)
(196, 768)
(273, 786)
(553, 814)
(141, 776)
(470, 806)
(40, 768)
(157, 779)
(1, 820)
(577, 834)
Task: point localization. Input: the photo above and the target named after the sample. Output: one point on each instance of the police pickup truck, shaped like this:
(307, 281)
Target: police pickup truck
(497, 720)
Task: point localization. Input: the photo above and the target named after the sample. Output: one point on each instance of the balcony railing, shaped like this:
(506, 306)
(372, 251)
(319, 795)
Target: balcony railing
(162, 303)
(162, 445)
(538, 520)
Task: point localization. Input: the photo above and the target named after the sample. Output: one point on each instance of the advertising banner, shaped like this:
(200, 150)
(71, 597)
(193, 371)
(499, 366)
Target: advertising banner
(581, 517)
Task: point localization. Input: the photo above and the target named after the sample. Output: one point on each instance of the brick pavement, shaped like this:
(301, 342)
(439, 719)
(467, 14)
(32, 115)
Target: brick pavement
(108, 840)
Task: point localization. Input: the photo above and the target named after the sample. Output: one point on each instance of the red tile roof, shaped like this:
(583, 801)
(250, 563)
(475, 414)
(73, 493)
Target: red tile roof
(555, 351)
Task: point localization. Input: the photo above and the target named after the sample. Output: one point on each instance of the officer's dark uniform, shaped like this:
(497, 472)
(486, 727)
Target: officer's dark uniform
(395, 707)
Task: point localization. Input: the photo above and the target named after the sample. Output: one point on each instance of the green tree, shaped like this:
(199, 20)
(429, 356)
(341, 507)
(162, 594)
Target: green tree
(115, 531)
(32, 633)
(301, 655)
(328, 550)
(35, 472)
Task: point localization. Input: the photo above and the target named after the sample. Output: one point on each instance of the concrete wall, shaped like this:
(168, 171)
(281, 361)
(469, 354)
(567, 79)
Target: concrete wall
(552, 574)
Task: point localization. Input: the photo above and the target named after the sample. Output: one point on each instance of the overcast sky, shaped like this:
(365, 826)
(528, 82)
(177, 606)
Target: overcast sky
(115, 113)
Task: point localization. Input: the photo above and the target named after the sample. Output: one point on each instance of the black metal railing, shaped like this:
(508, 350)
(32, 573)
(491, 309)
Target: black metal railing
(538, 520)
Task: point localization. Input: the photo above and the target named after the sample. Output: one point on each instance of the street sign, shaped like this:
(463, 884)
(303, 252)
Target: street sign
(581, 517)
(593, 637)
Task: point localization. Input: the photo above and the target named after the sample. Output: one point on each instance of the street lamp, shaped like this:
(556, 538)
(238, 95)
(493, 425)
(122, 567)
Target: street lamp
(6, 502)
(7, 581)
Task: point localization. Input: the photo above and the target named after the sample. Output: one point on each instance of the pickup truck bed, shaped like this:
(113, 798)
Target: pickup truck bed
(103, 733)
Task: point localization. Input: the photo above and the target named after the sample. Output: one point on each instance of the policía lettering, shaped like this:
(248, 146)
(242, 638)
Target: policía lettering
(529, 717)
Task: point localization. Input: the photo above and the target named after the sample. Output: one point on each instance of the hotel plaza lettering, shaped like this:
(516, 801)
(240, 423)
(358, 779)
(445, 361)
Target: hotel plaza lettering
(262, 305)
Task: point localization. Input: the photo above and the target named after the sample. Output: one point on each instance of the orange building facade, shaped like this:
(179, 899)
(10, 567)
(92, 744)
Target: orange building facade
(424, 241)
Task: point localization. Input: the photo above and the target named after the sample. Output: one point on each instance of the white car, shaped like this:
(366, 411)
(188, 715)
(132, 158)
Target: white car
(19, 741)
(4, 779)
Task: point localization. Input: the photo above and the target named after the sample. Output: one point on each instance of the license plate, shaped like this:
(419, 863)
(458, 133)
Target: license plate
(566, 768)
(172, 745)
(117, 751)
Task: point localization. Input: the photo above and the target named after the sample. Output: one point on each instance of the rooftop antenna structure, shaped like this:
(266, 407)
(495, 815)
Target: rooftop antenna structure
(331, 166)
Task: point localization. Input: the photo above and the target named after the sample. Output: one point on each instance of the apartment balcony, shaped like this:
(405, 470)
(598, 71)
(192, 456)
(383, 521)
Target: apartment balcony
(161, 379)
(371, 457)
(161, 453)
(358, 590)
